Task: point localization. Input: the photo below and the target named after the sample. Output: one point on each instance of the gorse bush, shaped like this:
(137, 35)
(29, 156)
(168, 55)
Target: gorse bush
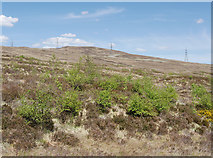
(104, 99)
(69, 102)
(208, 114)
(201, 98)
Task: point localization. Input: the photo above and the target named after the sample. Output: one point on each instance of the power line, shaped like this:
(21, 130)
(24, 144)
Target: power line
(111, 45)
(186, 56)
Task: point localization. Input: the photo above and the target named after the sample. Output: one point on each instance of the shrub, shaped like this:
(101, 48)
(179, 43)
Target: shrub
(137, 86)
(150, 95)
(208, 114)
(115, 82)
(37, 111)
(104, 99)
(109, 83)
(82, 73)
(75, 78)
(120, 98)
(90, 70)
(201, 98)
(163, 98)
(69, 102)
(140, 106)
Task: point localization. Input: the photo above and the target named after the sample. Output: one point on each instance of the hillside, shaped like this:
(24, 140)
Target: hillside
(95, 101)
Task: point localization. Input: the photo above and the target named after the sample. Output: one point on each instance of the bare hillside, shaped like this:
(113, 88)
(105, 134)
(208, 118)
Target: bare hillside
(112, 58)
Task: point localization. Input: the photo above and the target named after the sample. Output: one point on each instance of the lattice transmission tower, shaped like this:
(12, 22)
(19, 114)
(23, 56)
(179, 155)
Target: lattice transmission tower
(186, 56)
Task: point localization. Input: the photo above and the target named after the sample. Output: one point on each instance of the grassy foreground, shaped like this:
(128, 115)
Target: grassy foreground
(42, 96)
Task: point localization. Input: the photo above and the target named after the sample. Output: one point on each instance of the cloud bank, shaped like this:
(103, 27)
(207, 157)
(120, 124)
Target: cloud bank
(66, 39)
(7, 21)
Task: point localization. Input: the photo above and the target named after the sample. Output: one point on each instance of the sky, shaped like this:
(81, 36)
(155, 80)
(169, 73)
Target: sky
(163, 29)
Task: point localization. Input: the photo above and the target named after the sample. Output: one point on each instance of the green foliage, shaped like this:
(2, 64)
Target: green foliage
(163, 98)
(140, 106)
(104, 99)
(36, 110)
(90, 70)
(158, 98)
(75, 78)
(82, 73)
(69, 102)
(120, 98)
(202, 98)
(58, 84)
(109, 83)
(115, 82)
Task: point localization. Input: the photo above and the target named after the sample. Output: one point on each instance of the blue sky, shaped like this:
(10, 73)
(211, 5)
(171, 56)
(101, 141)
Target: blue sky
(154, 29)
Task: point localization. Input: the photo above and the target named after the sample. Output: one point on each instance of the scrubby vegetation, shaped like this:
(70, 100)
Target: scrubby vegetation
(56, 90)
(203, 101)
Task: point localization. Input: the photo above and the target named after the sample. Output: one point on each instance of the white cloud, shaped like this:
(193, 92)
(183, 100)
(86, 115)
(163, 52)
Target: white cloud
(199, 21)
(84, 12)
(64, 41)
(68, 35)
(3, 39)
(7, 21)
(98, 13)
(140, 50)
(67, 39)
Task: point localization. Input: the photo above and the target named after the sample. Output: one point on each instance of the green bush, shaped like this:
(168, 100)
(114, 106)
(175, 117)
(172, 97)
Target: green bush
(158, 98)
(36, 111)
(120, 98)
(76, 78)
(140, 106)
(115, 82)
(104, 99)
(89, 68)
(137, 86)
(69, 102)
(164, 98)
(84, 72)
(109, 83)
(201, 98)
